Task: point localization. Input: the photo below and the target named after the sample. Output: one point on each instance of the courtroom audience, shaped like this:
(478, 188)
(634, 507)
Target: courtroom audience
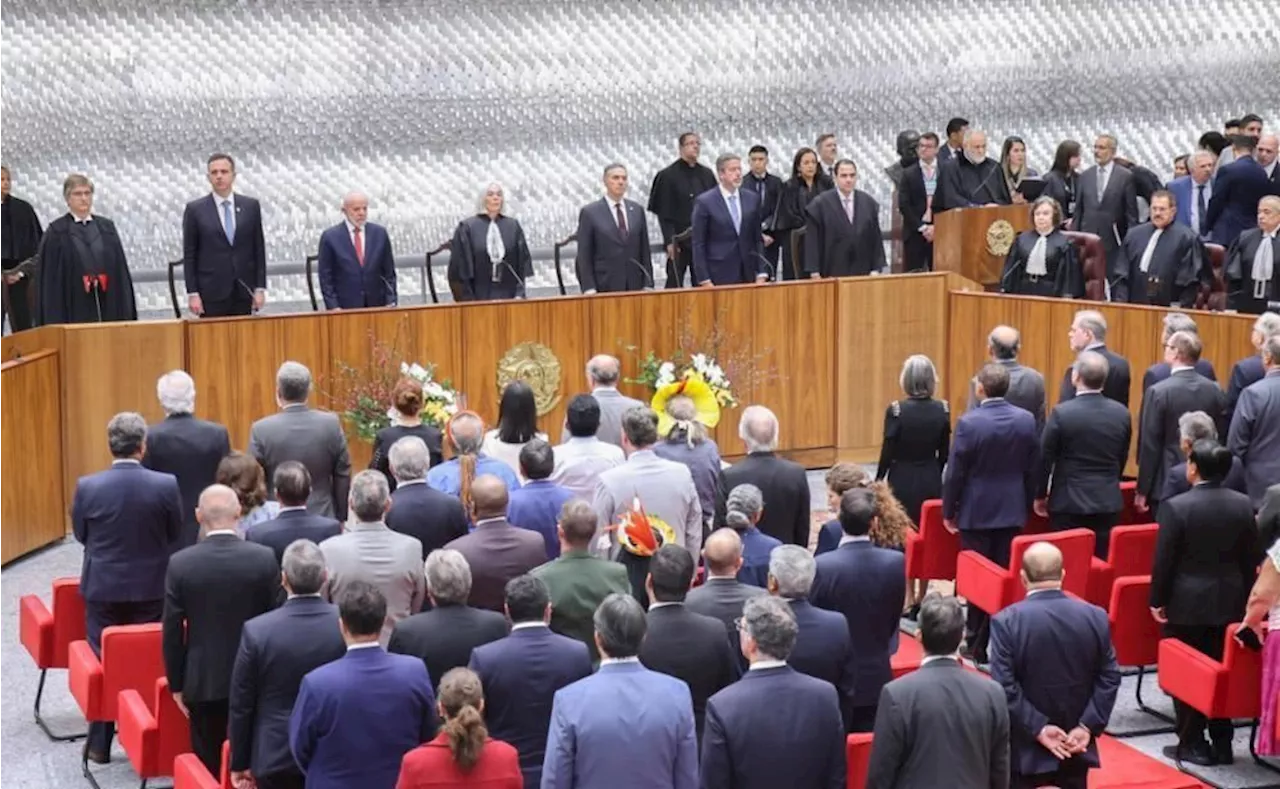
(1255, 428)
(243, 474)
(603, 373)
(292, 483)
(536, 505)
(743, 510)
(1249, 370)
(1026, 384)
(406, 421)
(495, 550)
(721, 596)
(1193, 427)
(1264, 604)
(1088, 332)
(517, 426)
(784, 483)
(687, 439)
(465, 434)
(582, 457)
(418, 510)
(917, 438)
(1173, 323)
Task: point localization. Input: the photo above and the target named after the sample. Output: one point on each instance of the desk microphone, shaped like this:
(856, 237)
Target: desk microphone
(522, 292)
(250, 292)
(773, 270)
(391, 289)
(1004, 279)
(648, 276)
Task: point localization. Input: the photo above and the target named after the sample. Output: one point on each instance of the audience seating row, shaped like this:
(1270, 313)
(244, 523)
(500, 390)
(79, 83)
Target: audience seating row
(47, 635)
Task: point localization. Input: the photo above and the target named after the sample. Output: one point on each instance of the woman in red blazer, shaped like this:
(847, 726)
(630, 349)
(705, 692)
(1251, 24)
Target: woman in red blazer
(461, 755)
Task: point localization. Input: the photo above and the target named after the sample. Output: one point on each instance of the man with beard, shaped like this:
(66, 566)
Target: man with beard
(671, 200)
(970, 180)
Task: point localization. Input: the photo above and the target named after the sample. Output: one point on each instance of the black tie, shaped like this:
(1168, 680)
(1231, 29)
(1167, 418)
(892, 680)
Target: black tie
(1200, 206)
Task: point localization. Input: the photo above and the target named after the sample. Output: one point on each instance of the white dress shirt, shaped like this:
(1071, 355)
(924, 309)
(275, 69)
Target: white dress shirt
(581, 461)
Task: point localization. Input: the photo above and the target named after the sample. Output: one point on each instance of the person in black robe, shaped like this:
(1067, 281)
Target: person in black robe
(843, 239)
(83, 274)
(1161, 262)
(970, 180)
(768, 187)
(1252, 267)
(1060, 181)
(488, 257)
(807, 182)
(917, 438)
(1043, 261)
(20, 236)
(671, 200)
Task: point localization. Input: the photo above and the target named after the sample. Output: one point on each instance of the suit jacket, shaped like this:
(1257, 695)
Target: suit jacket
(1254, 436)
(722, 254)
(432, 518)
(315, 439)
(836, 247)
(521, 675)
(347, 285)
(776, 727)
(913, 198)
(211, 589)
(613, 404)
(1158, 439)
(1184, 193)
(941, 725)
(129, 520)
(389, 560)
(866, 585)
(1233, 209)
(280, 532)
(498, 552)
(1116, 387)
(1161, 371)
(723, 598)
(277, 649)
(785, 487)
(1026, 390)
(578, 583)
(1110, 218)
(606, 261)
(1177, 271)
(358, 716)
(213, 267)
(993, 470)
(1206, 556)
(1244, 373)
(189, 449)
(665, 489)
(1062, 188)
(596, 723)
(536, 506)
(1242, 293)
(443, 637)
(824, 650)
(1085, 447)
(1054, 658)
(432, 766)
(1175, 482)
(693, 648)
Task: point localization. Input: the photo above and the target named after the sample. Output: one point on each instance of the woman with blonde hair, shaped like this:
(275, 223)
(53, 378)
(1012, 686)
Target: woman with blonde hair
(244, 475)
(917, 438)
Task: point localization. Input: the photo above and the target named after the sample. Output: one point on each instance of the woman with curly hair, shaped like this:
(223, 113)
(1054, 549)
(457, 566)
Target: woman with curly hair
(244, 475)
(890, 529)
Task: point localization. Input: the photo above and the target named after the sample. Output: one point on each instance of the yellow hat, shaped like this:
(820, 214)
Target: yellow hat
(696, 389)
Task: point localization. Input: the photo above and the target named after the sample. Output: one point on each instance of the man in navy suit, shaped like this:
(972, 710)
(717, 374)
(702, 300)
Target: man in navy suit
(1053, 656)
(728, 247)
(1237, 189)
(224, 258)
(522, 673)
(1175, 322)
(357, 266)
(1249, 370)
(358, 716)
(776, 727)
(625, 727)
(867, 585)
(991, 480)
(613, 240)
(292, 484)
(417, 509)
(277, 649)
(129, 520)
(1193, 192)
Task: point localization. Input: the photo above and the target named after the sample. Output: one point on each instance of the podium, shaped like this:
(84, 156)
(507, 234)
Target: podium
(973, 242)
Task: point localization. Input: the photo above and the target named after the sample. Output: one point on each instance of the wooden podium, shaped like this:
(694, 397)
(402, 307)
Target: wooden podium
(973, 242)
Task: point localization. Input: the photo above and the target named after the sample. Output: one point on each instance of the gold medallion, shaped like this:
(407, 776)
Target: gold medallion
(537, 366)
(1000, 237)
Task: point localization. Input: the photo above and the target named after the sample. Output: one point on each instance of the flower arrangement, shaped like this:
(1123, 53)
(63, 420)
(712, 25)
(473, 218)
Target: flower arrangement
(656, 373)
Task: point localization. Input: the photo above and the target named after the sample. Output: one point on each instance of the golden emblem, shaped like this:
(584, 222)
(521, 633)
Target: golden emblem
(536, 365)
(1000, 238)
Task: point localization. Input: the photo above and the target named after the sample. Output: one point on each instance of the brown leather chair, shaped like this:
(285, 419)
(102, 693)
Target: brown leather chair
(1093, 262)
(1215, 296)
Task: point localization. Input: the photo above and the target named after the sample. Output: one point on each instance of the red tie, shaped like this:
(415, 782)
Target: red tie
(622, 221)
(359, 247)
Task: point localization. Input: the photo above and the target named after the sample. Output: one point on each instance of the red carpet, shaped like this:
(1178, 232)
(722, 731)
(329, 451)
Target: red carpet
(1128, 768)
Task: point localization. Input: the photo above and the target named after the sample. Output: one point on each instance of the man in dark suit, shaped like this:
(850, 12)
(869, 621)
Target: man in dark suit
(1249, 370)
(1193, 190)
(941, 725)
(1026, 384)
(728, 247)
(1089, 333)
(777, 727)
(1053, 655)
(613, 240)
(1265, 153)
(357, 267)
(496, 551)
(784, 483)
(184, 446)
(1085, 447)
(768, 187)
(224, 259)
(522, 672)
(433, 518)
(1161, 263)
(358, 716)
(277, 649)
(722, 595)
(866, 585)
(129, 520)
(991, 480)
(210, 590)
(1250, 271)
(443, 637)
(671, 198)
(843, 236)
(915, 203)
(1175, 322)
(1106, 201)
(1237, 188)
(1255, 429)
(679, 642)
(292, 483)
(954, 144)
(1196, 426)
(1162, 406)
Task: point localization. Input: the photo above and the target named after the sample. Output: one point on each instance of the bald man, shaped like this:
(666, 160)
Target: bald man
(495, 550)
(723, 594)
(210, 590)
(1026, 384)
(603, 374)
(357, 266)
(1052, 654)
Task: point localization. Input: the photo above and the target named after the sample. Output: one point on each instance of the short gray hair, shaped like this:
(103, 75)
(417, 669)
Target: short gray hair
(793, 568)
(1092, 322)
(772, 625)
(744, 504)
(723, 160)
(1092, 368)
(466, 433)
(919, 377)
(176, 391)
(304, 567)
(74, 180)
(293, 382)
(1271, 348)
(1202, 153)
(1186, 344)
(1267, 324)
(611, 166)
(604, 370)
(448, 576)
(369, 495)
(758, 429)
(620, 622)
(1178, 321)
(1196, 426)
(409, 459)
(126, 433)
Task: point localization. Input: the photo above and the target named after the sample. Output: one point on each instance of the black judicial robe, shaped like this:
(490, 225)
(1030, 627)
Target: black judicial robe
(1179, 267)
(1064, 278)
(473, 276)
(791, 216)
(84, 277)
(834, 247)
(1063, 189)
(1238, 273)
(962, 184)
(20, 236)
(675, 187)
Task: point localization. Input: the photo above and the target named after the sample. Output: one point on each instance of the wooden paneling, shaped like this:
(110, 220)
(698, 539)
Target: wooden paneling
(33, 504)
(961, 244)
(24, 343)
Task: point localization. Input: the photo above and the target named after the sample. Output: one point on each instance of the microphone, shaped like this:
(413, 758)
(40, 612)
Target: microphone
(248, 290)
(391, 288)
(773, 270)
(521, 290)
(1004, 279)
(648, 278)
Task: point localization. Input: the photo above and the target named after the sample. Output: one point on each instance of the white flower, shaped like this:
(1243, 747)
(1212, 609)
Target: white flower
(667, 369)
(404, 368)
(699, 361)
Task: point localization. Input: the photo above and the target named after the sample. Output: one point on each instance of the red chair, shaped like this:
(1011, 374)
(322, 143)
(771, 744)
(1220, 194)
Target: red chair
(225, 775)
(190, 773)
(1093, 263)
(1136, 638)
(131, 660)
(152, 734)
(932, 550)
(992, 588)
(1129, 515)
(1132, 551)
(857, 754)
(47, 634)
(1215, 296)
(909, 656)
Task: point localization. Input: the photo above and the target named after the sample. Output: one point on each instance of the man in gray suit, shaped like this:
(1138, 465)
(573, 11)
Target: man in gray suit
(371, 552)
(723, 594)
(1106, 201)
(602, 376)
(1026, 384)
(613, 240)
(1255, 427)
(941, 725)
(313, 438)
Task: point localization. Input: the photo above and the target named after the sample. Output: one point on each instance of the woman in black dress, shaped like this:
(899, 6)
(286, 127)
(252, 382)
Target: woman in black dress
(1060, 181)
(406, 400)
(1043, 261)
(917, 438)
(807, 182)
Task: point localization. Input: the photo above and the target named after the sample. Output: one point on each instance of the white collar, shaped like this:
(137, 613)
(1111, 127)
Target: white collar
(848, 538)
(615, 203)
(1045, 589)
(498, 519)
(1177, 368)
(846, 198)
(363, 645)
(654, 606)
(604, 389)
(283, 510)
(406, 483)
(932, 658)
(611, 660)
(84, 220)
(297, 596)
(711, 578)
(1082, 392)
(928, 165)
(761, 665)
(130, 461)
(218, 200)
(215, 532)
(527, 626)
(351, 228)
(1270, 235)
(727, 194)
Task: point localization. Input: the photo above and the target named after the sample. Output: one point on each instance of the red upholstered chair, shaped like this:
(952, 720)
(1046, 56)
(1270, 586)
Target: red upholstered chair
(909, 656)
(190, 773)
(1093, 261)
(1215, 296)
(225, 775)
(992, 588)
(1136, 637)
(1132, 551)
(857, 754)
(932, 550)
(1128, 515)
(47, 634)
(152, 731)
(1036, 525)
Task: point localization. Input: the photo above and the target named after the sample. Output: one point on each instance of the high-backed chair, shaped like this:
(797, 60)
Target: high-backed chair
(190, 773)
(1093, 263)
(908, 658)
(993, 588)
(1136, 638)
(932, 550)
(153, 731)
(1129, 515)
(1132, 551)
(1215, 296)
(857, 754)
(47, 635)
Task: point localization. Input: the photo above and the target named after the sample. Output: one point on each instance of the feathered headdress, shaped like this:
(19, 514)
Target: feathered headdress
(697, 390)
(641, 534)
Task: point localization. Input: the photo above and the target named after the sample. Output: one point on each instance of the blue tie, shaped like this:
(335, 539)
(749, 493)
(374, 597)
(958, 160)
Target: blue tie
(735, 213)
(228, 224)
